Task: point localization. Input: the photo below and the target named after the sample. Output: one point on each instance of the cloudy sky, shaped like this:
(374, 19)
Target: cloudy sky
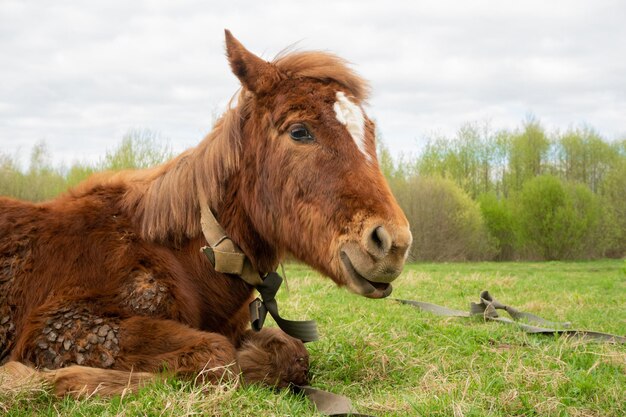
(80, 74)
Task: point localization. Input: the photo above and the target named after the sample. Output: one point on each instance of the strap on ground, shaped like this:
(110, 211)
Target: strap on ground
(328, 403)
(487, 308)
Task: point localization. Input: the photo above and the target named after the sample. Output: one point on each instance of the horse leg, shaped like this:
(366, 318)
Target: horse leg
(76, 381)
(273, 358)
(118, 354)
(269, 357)
(157, 345)
(78, 336)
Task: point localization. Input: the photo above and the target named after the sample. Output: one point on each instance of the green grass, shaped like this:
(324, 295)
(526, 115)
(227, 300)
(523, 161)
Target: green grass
(393, 360)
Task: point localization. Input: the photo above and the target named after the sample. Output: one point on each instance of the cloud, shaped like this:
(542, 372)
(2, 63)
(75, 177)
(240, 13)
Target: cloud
(79, 75)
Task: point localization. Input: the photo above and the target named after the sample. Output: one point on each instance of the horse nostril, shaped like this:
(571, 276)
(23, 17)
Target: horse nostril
(379, 242)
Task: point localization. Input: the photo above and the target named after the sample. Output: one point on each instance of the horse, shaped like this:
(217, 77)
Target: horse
(104, 287)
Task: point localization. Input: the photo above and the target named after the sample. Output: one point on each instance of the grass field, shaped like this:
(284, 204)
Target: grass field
(393, 360)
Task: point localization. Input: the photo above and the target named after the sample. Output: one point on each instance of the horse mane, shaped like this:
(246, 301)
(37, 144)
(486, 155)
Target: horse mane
(164, 199)
(322, 66)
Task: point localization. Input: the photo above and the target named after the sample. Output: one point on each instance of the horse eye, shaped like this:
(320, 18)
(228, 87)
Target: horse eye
(300, 133)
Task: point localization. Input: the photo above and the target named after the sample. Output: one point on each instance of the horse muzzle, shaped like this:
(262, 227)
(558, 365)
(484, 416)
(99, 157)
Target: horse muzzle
(375, 260)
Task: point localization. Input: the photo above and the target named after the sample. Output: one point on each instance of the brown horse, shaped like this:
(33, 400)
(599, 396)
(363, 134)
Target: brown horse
(109, 278)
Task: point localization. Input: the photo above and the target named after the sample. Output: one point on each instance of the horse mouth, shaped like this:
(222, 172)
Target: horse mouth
(361, 285)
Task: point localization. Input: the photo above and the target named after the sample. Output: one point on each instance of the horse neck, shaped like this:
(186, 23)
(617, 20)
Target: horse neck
(166, 199)
(234, 217)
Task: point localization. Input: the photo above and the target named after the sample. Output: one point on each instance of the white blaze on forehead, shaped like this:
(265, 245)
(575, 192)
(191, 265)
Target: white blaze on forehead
(351, 115)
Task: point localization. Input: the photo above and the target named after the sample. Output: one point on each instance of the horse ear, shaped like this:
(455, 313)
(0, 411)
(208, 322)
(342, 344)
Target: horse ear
(255, 74)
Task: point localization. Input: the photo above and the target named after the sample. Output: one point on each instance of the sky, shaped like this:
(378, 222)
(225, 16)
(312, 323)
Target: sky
(81, 74)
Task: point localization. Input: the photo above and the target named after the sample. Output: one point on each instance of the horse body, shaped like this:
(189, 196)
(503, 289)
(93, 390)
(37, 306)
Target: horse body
(110, 276)
(122, 273)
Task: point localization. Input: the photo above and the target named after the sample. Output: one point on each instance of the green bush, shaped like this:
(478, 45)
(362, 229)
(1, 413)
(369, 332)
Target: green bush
(138, 149)
(446, 224)
(40, 182)
(78, 173)
(613, 192)
(556, 219)
(499, 221)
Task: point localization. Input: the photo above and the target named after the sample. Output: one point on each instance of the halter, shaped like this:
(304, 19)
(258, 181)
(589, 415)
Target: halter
(226, 257)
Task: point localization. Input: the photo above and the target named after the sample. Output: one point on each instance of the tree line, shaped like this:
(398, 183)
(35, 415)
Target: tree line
(522, 194)
(482, 194)
(43, 179)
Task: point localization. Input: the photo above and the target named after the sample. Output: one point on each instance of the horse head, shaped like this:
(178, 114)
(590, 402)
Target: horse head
(312, 185)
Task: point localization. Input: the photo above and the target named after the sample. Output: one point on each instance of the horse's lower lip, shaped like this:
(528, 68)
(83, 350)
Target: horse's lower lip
(363, 285)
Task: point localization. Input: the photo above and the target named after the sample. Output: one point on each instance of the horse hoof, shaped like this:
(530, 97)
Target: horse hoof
(271, 357)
